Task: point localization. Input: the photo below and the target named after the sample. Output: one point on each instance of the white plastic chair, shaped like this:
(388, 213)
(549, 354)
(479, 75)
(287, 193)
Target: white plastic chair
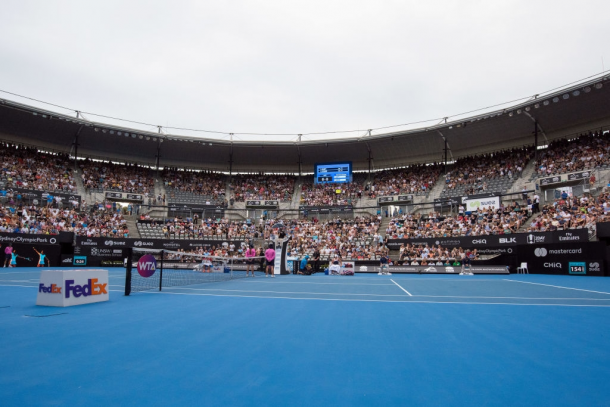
(523, 269)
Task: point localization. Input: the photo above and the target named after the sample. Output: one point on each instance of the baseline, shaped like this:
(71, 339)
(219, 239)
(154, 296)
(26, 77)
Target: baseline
(558, 286)
(375, 300)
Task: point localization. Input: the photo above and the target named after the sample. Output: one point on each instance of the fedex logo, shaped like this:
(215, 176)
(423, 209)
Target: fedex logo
(91, 288)
(52, 289)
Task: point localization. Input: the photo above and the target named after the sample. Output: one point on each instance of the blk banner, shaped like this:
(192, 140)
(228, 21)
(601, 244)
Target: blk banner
(563, 236)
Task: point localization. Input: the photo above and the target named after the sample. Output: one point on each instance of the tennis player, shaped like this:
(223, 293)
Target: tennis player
(14, 259)
(7, 255)
(270, 257)
(250, 254)
(41, 257)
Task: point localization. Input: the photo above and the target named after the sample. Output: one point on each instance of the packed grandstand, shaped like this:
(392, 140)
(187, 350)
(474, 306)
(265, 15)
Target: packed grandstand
(358, 237)
(401, 187)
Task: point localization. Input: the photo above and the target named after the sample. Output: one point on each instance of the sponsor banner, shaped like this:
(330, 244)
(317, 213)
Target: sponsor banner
(394, 199)
(563, 236)
(577, 258)
(474, 204)
(431, 269)
(69, 260)
(479, 196)
(31, 239)
(579, 175)
(64, 288)
(120, 196)
(106, 247)
(550, 180)
(448, 202)
(30, 194)
(210, 210)
(326, 209)
(262, 204)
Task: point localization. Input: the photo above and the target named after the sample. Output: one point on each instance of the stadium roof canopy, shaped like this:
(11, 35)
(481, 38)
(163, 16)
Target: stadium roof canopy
(569, 111)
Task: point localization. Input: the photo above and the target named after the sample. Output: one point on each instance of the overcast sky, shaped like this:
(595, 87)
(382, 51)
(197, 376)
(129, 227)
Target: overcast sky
(295, 67)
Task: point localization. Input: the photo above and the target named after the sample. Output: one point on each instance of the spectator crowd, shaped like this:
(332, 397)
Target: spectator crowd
(203, 183)
(584, 153)
(130, 178)
(263, 187)
(46, 220)
(356, 238)
(415, 180)
(474, 172)
(29, 168)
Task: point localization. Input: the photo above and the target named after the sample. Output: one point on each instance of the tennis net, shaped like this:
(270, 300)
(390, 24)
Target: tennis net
(152, 269)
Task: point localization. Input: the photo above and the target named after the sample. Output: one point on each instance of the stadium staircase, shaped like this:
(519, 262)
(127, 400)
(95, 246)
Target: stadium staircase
(132, 227)
(155, 211)
(436, 190)
(296, 195)
(526, 178)
(385, 221)
(80, 187)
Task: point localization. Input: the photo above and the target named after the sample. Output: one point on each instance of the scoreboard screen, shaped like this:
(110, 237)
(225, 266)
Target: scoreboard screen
(333, 173)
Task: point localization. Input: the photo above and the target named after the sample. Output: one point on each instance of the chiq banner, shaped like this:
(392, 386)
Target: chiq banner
(475, 204)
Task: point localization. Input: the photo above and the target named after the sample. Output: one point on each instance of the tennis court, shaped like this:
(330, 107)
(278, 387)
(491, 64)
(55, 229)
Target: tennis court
(313, 340)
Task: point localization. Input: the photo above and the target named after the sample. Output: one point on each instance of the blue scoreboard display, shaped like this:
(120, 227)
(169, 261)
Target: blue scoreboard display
(335, 173)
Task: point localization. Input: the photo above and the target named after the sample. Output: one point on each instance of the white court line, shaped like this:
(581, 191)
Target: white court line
(18, 281)
(267, 281)
(374, 295)
(384, 301)
(399, 286)
(18, 272)
(280, 292)
(360, 300)
(514, 298)
(558, 286)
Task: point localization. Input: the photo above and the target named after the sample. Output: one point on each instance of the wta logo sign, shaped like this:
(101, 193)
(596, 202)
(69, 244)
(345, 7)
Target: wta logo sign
(147, 265)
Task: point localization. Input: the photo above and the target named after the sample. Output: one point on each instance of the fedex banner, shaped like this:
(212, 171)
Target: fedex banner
(65, 288)
(474, 204)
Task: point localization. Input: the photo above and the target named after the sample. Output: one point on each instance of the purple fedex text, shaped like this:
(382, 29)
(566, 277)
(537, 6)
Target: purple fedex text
(91, 288)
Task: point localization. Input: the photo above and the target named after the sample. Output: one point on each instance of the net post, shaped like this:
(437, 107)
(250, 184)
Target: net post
(161, 270)
(231, 268)
(128, 253)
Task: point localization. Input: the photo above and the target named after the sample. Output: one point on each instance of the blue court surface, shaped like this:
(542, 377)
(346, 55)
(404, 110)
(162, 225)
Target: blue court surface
(401, 340)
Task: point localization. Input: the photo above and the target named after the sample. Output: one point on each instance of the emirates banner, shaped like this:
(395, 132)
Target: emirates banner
(106, 247)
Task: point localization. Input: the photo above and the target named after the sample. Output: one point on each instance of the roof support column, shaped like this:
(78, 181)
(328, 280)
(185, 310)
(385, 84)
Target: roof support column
(536, 142)
(76, 147)
(446, 149)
